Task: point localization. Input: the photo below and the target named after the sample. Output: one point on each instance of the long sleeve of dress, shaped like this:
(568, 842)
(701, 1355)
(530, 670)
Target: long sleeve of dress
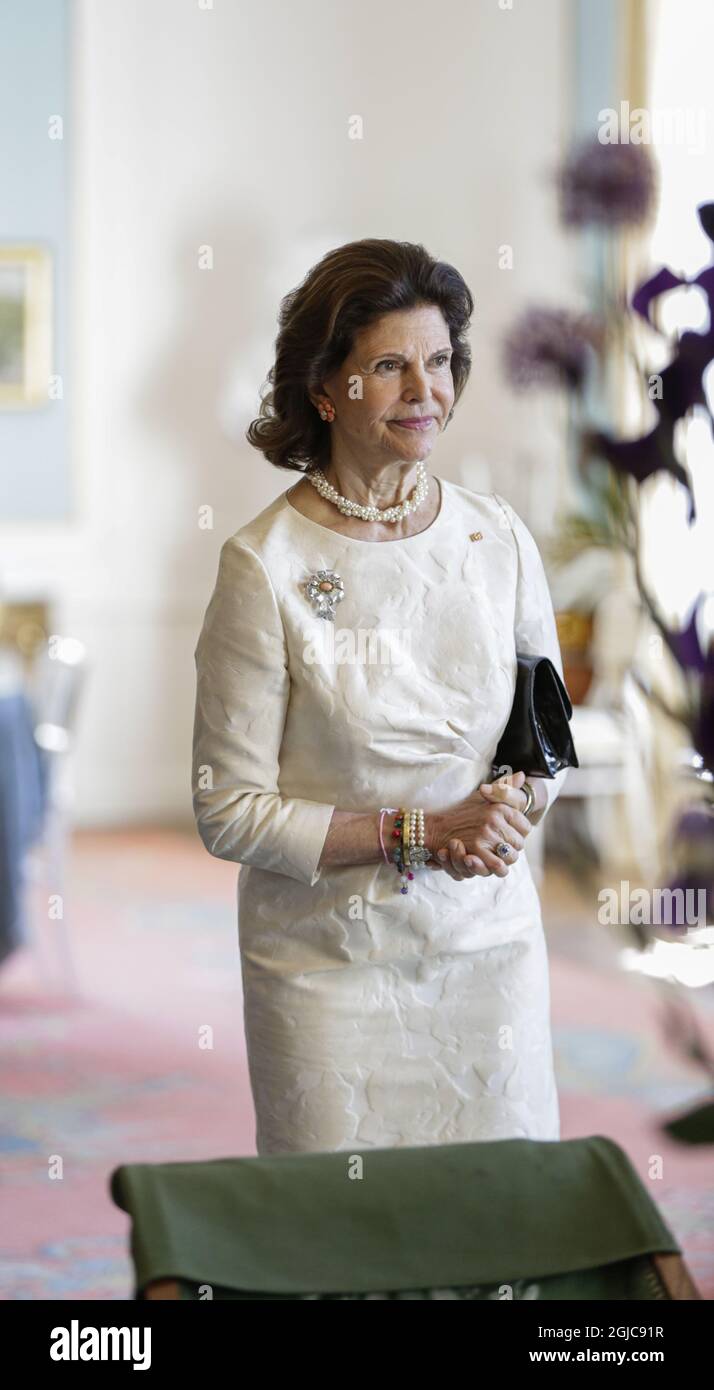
(242, 691)
(534, 629)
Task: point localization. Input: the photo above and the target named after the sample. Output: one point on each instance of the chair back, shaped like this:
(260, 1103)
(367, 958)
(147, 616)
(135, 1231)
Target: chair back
(514, 1218)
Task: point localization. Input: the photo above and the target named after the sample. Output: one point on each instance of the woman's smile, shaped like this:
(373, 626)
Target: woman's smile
(423, 422)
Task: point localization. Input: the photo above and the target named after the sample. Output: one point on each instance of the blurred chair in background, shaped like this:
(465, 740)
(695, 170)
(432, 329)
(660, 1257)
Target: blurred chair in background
(57, 680)
(41, 677)
(22, 798)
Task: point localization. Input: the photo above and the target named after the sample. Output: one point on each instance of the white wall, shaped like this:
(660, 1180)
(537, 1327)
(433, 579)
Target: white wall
(228, 127)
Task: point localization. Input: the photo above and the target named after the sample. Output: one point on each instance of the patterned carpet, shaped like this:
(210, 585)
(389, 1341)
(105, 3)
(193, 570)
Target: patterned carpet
(115, 1073)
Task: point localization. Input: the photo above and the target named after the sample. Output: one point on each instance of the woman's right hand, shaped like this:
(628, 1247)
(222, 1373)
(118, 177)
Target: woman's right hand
(462, 839)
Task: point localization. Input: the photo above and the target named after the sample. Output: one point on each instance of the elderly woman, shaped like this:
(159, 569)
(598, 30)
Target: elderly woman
(355, 670)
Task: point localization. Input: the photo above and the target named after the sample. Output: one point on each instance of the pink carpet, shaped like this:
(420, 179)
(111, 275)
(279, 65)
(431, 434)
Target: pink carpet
(117, 1074)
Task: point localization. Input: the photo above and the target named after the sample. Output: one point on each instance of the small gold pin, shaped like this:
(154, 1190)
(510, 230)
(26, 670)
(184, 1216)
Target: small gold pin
(476, 536)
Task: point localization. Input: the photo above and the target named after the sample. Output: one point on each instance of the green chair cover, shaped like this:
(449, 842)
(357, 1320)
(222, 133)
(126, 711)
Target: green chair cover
(516, 1218)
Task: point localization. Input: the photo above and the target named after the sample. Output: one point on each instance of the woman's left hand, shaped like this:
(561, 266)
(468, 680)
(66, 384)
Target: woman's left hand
(507, 789)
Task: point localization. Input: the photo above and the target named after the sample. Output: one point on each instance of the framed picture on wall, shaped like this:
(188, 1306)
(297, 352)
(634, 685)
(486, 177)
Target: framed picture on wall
(25, 326)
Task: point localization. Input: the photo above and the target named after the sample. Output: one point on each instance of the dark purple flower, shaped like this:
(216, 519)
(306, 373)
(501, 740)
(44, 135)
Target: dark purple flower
(686, 647)
(640, 458)
(651, 289)
(682, 380)
(705, 213)
(550, 347)
(682, 384)
(665, 279)
(613, 185)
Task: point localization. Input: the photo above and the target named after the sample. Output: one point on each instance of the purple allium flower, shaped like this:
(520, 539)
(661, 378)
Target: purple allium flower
(550, 347)
(613, 185)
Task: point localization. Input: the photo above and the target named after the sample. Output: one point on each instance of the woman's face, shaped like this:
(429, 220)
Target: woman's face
(399, 370)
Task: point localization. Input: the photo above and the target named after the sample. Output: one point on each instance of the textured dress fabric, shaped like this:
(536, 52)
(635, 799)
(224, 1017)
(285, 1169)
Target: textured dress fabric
(375, 1018)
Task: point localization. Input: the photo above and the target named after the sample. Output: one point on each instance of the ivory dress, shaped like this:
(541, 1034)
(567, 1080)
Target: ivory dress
(374, 1018)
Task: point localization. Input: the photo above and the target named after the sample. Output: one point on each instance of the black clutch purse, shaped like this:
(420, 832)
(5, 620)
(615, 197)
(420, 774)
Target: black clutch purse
(537, 738)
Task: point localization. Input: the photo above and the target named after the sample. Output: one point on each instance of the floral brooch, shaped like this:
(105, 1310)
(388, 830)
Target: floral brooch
(325, 590)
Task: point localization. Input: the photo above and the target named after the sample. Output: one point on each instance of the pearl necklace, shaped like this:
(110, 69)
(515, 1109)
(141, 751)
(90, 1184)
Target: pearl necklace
(349, 508)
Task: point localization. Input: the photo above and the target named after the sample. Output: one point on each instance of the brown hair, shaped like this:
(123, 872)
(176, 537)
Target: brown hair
(348, 289)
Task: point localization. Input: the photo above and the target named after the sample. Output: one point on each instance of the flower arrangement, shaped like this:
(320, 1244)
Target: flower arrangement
(611, 188)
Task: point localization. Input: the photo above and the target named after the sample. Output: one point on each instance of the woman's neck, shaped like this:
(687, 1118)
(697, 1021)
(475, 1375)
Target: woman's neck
(387, 486)
(305, 499)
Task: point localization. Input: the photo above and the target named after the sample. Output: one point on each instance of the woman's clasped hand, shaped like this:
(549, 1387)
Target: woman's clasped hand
(464, 837)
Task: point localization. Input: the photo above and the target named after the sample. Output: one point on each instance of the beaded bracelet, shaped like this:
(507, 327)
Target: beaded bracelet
(399, 857)
(406, 827)
(410, 850)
